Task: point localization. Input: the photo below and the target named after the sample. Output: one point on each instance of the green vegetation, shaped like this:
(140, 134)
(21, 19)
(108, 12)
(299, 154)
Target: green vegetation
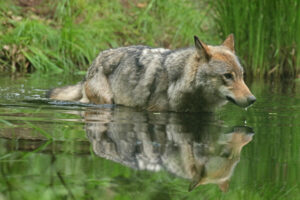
(66, 35)
(63, 35)
(266, 32)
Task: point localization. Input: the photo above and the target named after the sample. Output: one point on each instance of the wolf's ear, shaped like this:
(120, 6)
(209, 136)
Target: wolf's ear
(202, 48)
(229, 42)
(224, 186)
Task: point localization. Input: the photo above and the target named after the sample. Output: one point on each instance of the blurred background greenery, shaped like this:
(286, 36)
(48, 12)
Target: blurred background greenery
(55, 36)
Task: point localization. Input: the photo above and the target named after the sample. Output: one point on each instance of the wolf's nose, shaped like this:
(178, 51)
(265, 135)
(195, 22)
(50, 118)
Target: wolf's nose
(251, 99)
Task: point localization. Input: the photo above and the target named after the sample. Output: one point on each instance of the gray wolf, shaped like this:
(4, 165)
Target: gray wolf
(195, 147)
(199, 78)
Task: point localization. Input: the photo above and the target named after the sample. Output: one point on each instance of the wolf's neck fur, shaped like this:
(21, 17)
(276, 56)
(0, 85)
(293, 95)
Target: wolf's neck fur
(188, 93)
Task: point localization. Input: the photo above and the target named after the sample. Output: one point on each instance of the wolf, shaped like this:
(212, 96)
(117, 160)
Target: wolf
(199, 78)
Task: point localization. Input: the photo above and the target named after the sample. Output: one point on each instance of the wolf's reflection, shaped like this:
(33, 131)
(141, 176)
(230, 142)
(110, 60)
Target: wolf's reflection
(187, 145)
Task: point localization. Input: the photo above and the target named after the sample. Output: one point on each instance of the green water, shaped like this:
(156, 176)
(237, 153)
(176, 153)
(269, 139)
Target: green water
(61, 150)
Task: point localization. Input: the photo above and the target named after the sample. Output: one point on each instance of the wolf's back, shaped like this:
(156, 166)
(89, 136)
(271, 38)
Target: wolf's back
(66, 93)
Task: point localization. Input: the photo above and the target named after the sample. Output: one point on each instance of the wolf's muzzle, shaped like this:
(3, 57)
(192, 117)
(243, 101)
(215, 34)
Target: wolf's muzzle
(231, 100)
(242, 102)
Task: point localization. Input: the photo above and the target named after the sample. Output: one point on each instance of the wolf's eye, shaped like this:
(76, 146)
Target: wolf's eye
(228, 76)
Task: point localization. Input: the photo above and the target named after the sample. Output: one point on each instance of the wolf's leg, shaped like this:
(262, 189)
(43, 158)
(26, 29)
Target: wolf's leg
(84, 98)
(97, 89)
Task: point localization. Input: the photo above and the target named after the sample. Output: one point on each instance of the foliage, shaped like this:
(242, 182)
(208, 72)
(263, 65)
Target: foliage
(66, 35)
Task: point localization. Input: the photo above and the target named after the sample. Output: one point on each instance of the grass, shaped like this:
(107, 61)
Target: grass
(64, 36)
(266, 32)
(68, 35)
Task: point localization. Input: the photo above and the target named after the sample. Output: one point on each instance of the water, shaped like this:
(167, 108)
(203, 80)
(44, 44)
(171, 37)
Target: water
(61, 150)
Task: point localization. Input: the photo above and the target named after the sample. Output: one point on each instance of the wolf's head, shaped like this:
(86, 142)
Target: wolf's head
(222, 74)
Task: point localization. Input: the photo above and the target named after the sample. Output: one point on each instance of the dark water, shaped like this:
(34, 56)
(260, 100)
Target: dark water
(59, 150)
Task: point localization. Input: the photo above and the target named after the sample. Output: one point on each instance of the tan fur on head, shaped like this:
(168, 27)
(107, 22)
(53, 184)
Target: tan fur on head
(230, 59)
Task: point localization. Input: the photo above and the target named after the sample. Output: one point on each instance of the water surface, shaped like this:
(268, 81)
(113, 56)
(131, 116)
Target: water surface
(62, 150)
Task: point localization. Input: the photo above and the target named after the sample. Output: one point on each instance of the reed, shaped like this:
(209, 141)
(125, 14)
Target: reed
(266, 32)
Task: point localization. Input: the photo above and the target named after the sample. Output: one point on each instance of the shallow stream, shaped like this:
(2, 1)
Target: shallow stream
(62, 150)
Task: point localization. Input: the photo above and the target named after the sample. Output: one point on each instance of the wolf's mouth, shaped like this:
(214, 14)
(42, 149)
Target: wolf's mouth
(231, 100)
